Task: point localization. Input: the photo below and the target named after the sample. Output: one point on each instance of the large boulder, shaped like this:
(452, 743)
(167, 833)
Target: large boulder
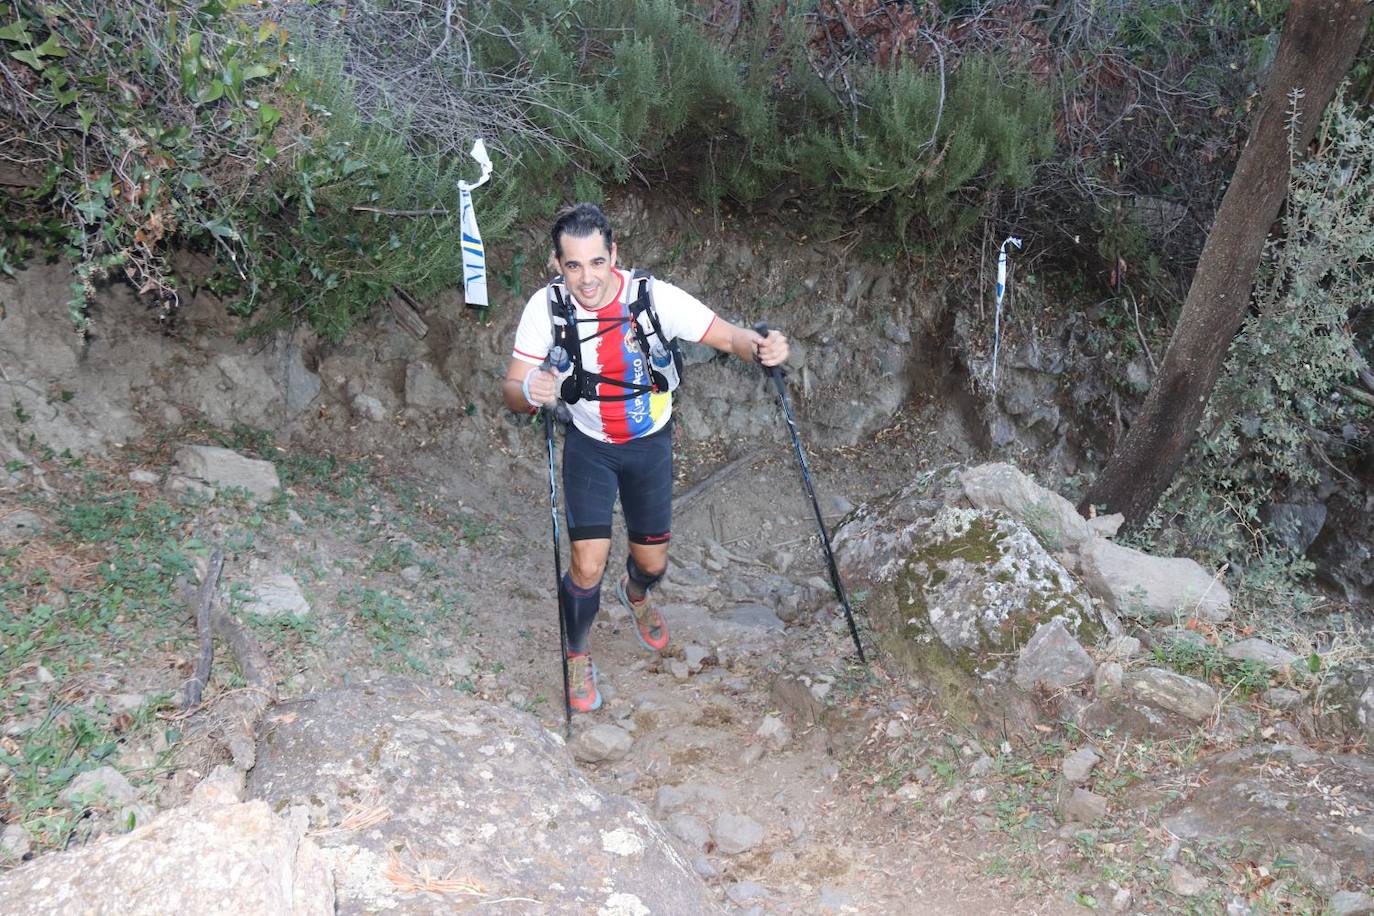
(428, 799)
(211, 859)
(958, 593)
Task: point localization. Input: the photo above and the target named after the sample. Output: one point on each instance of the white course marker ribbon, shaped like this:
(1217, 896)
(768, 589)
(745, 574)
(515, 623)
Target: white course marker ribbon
(1001, 290)
(474, 254)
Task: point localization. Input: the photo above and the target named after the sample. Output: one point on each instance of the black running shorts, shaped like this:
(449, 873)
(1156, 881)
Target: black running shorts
(640, 471)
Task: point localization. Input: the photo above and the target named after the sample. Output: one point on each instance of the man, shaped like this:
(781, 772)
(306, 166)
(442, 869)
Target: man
(620, 438)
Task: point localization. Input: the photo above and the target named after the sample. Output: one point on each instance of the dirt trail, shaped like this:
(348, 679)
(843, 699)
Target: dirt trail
(830, 844)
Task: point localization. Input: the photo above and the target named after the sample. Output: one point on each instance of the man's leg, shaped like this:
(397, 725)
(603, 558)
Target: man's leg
(646, 496)
(646, 567)
(582, 589)
(589, 491)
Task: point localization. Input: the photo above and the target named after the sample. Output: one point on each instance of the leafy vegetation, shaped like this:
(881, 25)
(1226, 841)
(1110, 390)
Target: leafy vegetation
(1287, 406)
(314, 157)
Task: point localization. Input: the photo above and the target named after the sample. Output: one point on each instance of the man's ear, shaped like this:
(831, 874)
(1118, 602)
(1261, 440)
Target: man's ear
(612, 254)
(553, 263)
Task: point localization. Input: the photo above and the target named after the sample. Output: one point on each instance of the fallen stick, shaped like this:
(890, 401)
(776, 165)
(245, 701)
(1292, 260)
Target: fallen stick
(205, 597)
(720, 475)
(240, 714)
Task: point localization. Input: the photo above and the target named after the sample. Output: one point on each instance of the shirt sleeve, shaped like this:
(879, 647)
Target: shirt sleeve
(534, 334)
(681, 314)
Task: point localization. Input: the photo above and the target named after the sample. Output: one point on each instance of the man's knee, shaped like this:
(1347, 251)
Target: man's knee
(587, 567)
(646, 571)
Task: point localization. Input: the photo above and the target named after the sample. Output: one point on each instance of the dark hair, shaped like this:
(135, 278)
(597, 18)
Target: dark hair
(579, 221)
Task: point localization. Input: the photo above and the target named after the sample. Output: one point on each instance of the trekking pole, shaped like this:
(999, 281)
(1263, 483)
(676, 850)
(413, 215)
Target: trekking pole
(777, 375)
(558, 359)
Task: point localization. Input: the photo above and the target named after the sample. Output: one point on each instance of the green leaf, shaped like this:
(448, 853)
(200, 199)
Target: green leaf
(87, 116)
(51, 47)
(353, 165)
(1314, 663)
(255, 72)
(18, 30)
(212, 93)
(222, 229)
(92, 210)
(268, 116)
(28, 57)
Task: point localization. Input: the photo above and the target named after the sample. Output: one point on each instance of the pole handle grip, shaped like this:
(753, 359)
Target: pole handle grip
(773, 372)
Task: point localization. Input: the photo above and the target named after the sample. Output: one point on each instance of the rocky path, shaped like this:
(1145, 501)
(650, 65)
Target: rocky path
(743, 738)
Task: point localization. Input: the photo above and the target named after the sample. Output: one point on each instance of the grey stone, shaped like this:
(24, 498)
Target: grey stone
(238, 857)
(1313, 866)
(277, 595)
(369, 408)
(104, 786)
(180, 485)
(1078, 766)
(413, 574)
(1350, 903)
(1108, 677)
(469, 782)
(981, 767)
(1260, 652)
(678, 669)
(1051, 517)
(745, 891)
(1296, 525)
(774, 732)
(14, 843)
(224, 786)
(755, 616)
(695, 656)
(141, 475)
(1083, 806)
(1106, 526)
(704, 867)
(690, 829)
(1136, 584)
(602, 742)
(1123, 647)
(1185, 883)
(223, 467)
(1169, 690)
(736, 833)
(1281, 698)
(965, 587)
(751, 755)
(1121, 900)
(1052, 658)
(426, 388)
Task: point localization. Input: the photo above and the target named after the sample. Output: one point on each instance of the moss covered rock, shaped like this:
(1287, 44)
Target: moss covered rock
(956, 593)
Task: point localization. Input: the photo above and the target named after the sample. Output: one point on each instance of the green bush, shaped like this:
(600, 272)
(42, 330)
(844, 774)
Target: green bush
(316, 158)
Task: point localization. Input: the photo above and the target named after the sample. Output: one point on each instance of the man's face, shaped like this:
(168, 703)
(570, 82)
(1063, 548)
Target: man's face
(587, 269)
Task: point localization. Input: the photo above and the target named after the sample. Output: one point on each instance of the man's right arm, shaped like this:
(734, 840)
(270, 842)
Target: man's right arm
(543, 386)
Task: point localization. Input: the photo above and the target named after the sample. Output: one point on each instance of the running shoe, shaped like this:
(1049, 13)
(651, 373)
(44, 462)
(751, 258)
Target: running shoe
(650, 626)
(582, 693)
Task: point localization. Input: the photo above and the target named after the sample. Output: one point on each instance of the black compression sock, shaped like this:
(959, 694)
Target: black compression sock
(580, 607)
(640, 582)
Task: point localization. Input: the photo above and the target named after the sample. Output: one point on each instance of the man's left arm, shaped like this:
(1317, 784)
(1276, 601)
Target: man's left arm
(746, 343)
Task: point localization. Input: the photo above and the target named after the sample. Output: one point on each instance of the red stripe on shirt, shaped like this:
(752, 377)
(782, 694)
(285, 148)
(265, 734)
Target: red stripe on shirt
(518, 352)
(708, 329)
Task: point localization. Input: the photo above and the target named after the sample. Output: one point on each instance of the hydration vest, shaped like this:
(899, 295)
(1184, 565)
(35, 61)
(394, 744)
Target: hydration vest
(665, 374)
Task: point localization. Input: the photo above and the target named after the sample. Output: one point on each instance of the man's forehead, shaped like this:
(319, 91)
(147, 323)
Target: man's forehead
(583, 247)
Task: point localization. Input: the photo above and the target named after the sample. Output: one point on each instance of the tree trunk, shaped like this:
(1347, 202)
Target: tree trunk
(1319, 43)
